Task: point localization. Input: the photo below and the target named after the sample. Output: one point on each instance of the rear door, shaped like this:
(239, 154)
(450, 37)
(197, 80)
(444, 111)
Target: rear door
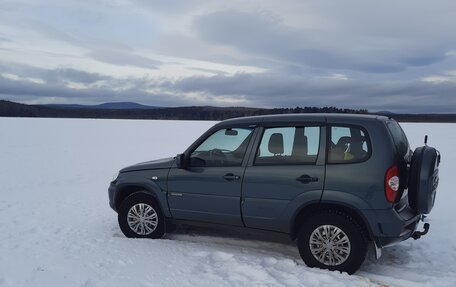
(286, 171)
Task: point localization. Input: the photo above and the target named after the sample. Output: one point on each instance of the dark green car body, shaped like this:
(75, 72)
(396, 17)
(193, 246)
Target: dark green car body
(275, 192)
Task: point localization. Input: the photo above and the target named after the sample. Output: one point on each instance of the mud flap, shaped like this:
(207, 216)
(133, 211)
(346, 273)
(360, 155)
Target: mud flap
(377, 250)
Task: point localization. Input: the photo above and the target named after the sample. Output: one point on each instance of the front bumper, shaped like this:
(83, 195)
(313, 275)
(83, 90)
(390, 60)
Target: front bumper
(112, 192)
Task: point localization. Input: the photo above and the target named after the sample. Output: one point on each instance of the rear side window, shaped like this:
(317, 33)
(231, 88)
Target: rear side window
(288, 145)
(399, 138)
(348, 144)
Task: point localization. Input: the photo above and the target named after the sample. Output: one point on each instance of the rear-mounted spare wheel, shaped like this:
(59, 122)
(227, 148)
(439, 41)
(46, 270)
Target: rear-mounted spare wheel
(424, 179)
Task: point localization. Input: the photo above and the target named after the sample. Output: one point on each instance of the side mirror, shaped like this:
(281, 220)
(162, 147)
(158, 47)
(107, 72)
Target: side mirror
(197, 162)
(181, 161)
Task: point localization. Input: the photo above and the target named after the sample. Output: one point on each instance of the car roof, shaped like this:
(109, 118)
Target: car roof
(293, 118)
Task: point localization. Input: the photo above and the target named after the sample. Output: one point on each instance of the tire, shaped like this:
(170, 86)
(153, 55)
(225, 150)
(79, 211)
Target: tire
(140, 216)
(424, 179)
(351, 238)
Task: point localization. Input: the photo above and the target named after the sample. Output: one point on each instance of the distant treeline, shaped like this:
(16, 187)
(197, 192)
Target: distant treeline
(424, 118)
(11, 109)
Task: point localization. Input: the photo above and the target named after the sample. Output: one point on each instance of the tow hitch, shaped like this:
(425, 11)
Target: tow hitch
(417, 234)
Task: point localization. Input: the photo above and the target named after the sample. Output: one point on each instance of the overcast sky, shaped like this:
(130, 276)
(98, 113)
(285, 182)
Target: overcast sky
(378, 55)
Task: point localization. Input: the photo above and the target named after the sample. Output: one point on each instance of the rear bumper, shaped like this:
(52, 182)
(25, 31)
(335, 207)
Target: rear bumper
(406, 233)
(389, 226)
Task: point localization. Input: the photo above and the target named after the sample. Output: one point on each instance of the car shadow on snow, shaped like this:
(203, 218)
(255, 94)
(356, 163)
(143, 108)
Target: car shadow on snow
(282, 244)
(238, 237)
(279, 244)
(392, 257)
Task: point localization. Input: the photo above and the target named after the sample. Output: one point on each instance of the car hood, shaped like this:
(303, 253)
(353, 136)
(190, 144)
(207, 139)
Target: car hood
(154, 164)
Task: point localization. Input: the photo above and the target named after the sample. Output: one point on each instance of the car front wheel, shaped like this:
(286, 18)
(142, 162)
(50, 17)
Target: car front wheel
(141, 217)
(332, 240)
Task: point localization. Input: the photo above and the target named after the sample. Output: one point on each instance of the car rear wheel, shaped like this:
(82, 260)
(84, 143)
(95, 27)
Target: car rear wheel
(332, 240)
(140, 217)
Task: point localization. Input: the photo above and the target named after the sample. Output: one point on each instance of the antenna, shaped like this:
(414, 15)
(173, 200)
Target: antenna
(425, 139)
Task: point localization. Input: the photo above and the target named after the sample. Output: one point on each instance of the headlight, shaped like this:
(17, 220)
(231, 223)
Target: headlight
(114, 177)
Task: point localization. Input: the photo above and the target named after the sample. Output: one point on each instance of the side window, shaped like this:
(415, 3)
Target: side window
(225, 147)
(348, 145)
(399, 137)
(288, 145)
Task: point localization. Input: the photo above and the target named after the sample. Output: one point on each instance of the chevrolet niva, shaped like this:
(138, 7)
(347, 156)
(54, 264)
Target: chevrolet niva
(336, 183)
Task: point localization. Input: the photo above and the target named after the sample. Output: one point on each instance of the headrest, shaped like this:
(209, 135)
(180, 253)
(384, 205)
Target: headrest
(299, 144)
(276, 143)
(344, 140)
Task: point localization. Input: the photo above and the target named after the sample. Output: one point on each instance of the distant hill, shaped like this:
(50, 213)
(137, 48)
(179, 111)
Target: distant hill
(132, 111)
(111, 106)
(385, 113)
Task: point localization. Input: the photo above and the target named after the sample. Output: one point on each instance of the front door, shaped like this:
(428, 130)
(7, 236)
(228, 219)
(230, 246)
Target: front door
(287, 171)
(210, 188)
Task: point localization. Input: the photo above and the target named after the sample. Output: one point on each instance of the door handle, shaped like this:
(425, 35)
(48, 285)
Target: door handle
(230, 177)
(306, 178)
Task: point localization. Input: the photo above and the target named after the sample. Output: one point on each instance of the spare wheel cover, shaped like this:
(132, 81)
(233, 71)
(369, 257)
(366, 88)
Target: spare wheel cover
(424, 178)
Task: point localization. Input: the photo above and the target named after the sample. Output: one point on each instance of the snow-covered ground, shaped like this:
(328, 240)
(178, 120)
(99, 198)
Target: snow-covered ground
(56, 228)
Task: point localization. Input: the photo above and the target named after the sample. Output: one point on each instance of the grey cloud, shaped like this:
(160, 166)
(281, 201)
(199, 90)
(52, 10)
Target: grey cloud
(20, 69)
(274, 90)
(53, 76)
(424, 60)
(4, 39)
(185, 46)
(54, 85)
(257, 89)
(116, 54)
(24, 90)
(124, 58)
(246, 31)
(73, 76)
(212, 71)
(52, 32)
(18, 88)
(170, 6)
(383, 49)
(113, 53)
(256, 33)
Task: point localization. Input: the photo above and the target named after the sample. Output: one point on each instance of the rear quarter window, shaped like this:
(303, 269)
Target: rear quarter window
(399, 137)
(348, 144)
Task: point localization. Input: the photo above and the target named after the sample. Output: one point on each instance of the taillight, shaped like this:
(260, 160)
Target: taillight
(391, 183)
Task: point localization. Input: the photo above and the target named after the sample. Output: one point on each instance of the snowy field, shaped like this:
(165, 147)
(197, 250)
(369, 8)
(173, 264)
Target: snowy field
(56, 228)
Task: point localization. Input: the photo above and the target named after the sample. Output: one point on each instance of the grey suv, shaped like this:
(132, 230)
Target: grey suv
(336, 183)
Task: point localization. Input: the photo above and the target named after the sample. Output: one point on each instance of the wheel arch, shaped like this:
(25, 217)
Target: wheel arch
(305, 211)
(126, 190)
